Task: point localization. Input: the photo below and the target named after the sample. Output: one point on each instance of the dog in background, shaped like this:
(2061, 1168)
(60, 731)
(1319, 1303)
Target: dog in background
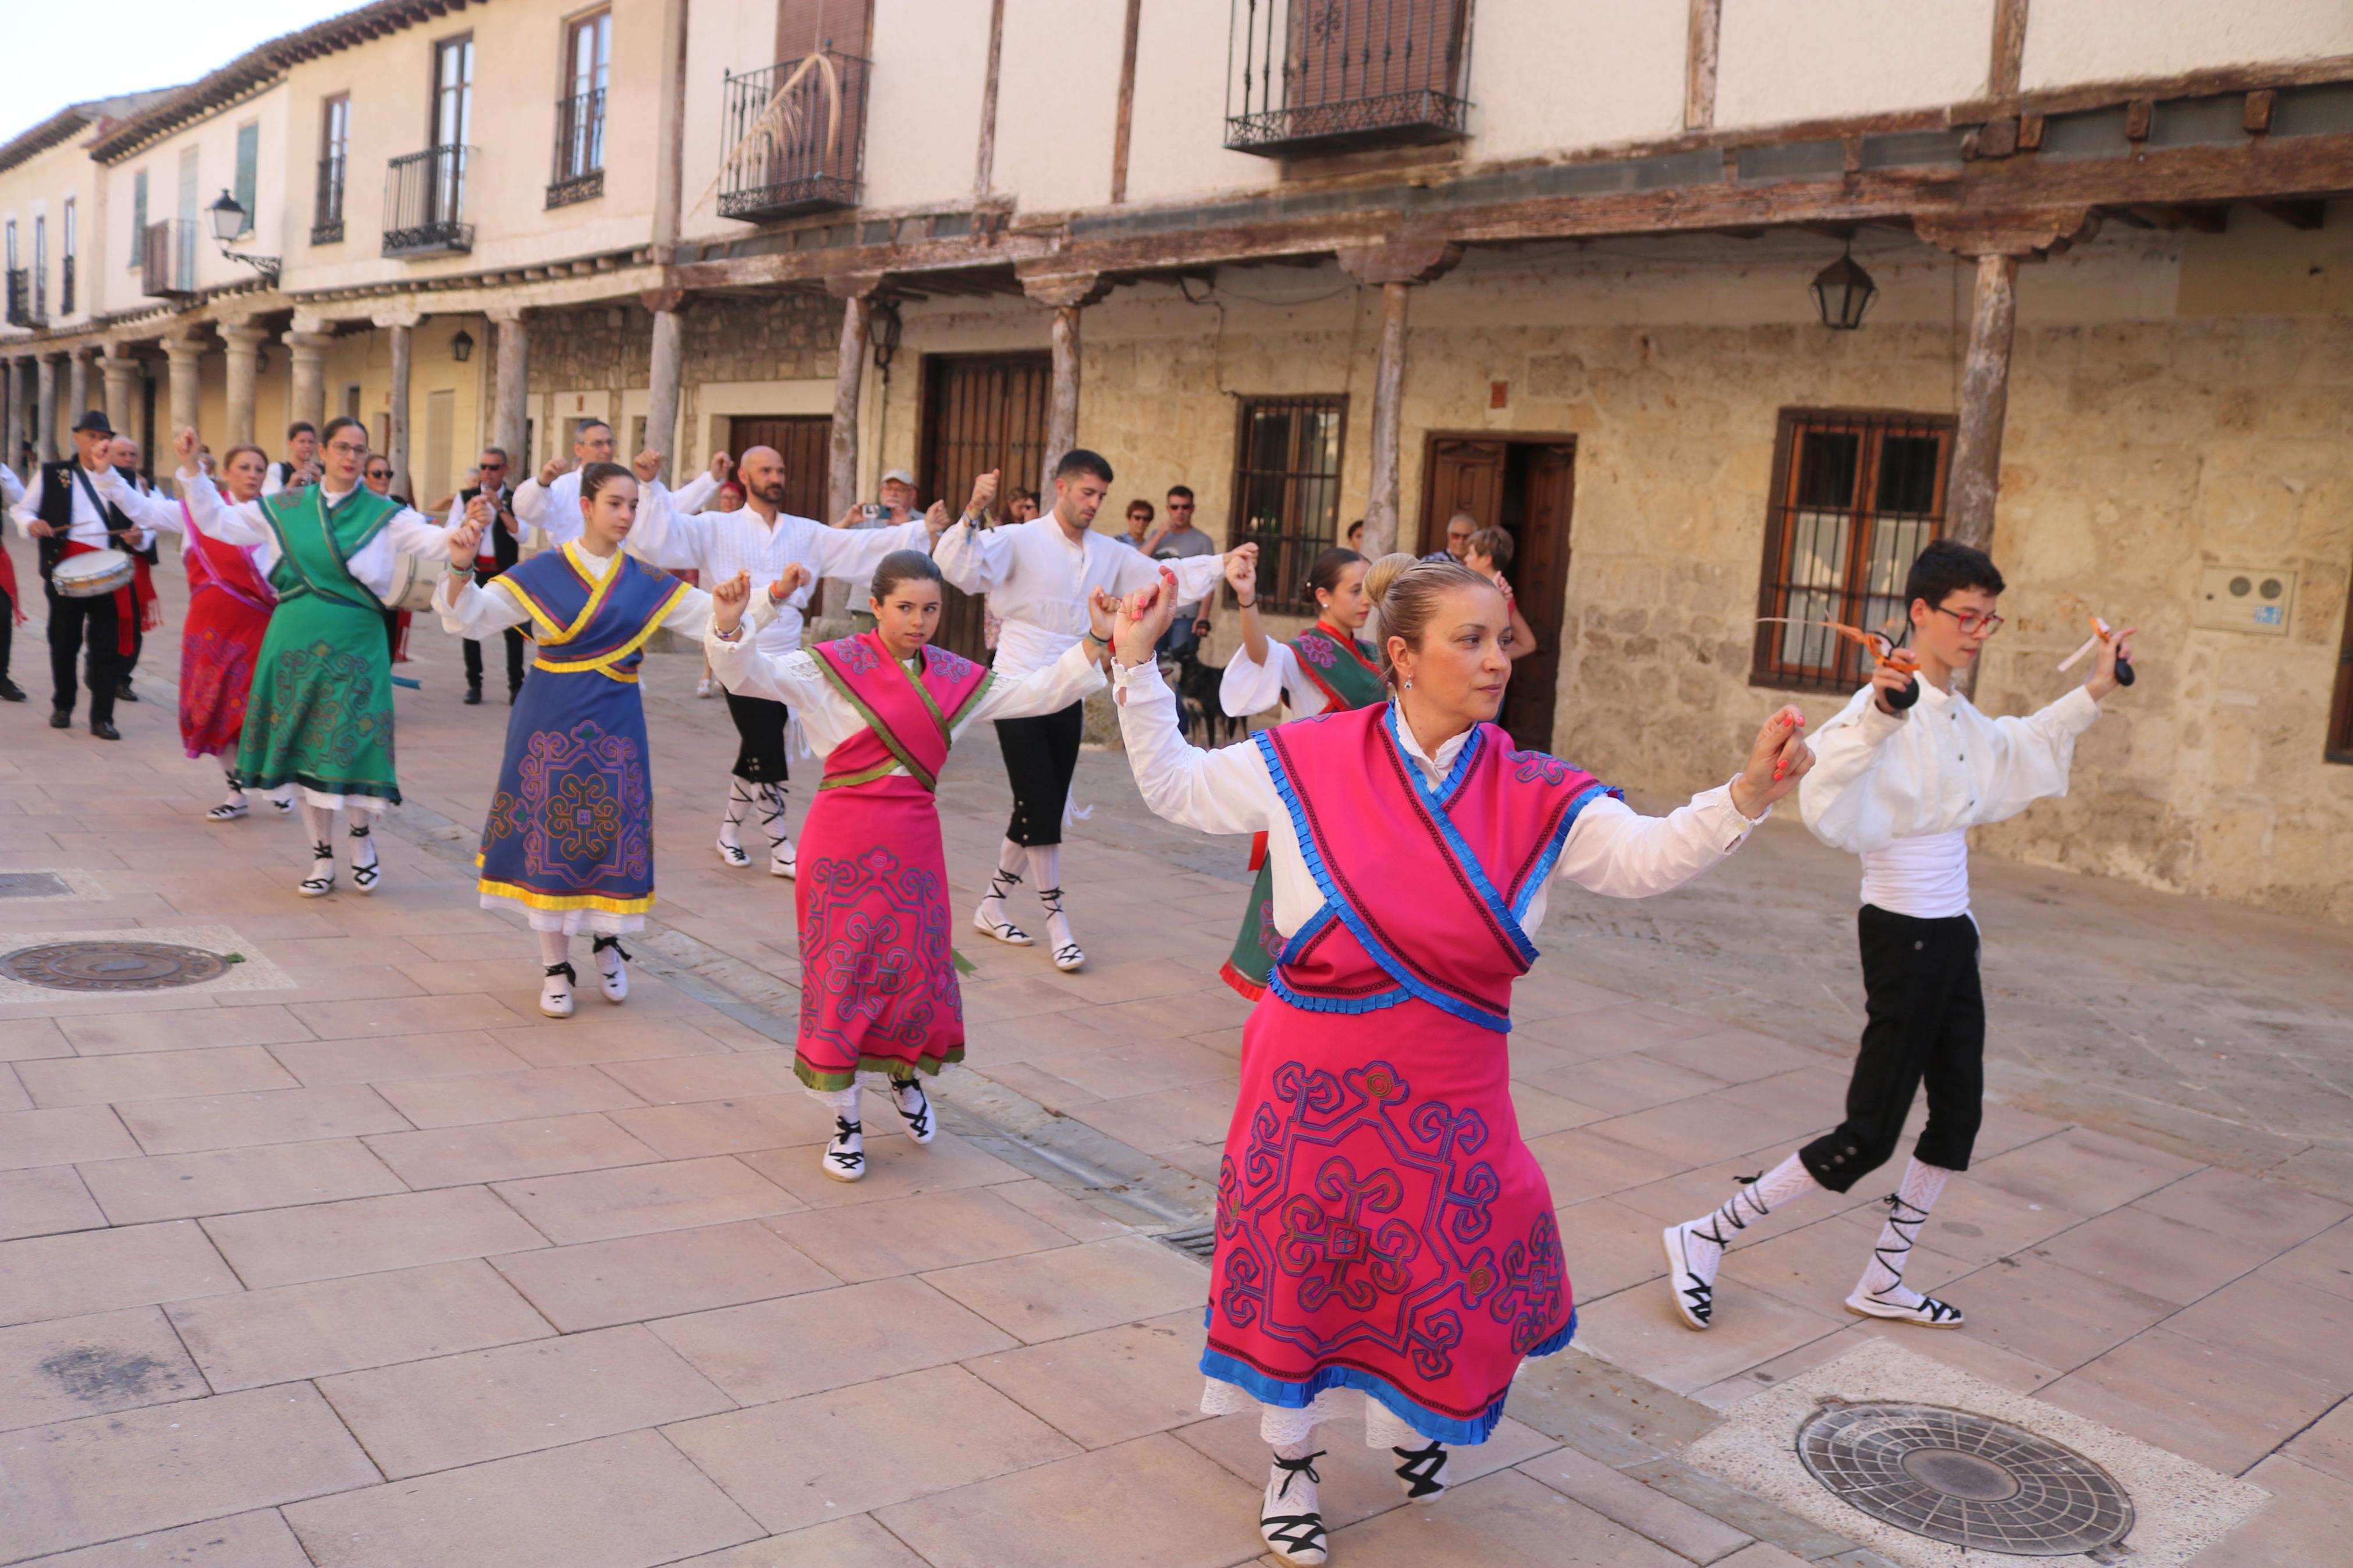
(1198, 712)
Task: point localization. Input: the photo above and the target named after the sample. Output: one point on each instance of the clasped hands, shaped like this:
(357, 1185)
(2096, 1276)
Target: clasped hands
(731, 599)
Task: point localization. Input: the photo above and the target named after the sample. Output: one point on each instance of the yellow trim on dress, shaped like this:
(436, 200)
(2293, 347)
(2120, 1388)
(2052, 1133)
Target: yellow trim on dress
(600, 587)
(531, 608)
(603, 663)
(557, 902)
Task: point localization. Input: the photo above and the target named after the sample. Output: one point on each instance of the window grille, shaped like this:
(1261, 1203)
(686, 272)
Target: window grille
(1287, 490)
(1856, 496)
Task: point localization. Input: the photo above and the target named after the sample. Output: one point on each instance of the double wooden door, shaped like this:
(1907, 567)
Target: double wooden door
(981, 412)
(1523, 487)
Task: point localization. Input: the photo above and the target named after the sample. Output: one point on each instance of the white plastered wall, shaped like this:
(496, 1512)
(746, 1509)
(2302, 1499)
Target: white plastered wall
(2107, 40)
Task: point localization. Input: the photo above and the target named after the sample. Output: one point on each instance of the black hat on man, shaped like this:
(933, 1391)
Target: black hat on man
(93, 420)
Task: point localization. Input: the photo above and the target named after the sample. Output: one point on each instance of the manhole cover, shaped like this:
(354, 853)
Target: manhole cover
(1964, 1479)
(112, 965)
(34, 885)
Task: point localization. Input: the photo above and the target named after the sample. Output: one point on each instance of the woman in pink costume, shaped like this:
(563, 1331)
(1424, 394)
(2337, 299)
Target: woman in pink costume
(1382, 1229)
(878, 988)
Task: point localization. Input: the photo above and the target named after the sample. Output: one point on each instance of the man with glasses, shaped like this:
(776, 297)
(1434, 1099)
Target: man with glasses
(1901, 775)
(1178, 540)
(377, 477)
(501, 548)
(301, 464)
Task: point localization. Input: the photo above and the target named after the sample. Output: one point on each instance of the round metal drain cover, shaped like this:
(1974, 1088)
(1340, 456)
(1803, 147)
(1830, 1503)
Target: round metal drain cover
(1964, 1479)
(112, 965)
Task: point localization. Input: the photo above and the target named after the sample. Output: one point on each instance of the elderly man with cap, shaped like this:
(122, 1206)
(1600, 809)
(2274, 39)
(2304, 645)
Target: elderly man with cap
(64, 511)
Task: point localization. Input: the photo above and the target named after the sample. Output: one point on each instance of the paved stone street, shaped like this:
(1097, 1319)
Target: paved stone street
(377, 1267)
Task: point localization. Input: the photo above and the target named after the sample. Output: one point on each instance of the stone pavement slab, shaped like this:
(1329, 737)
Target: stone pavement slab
(665, 1274)
(64, 1368)
(819, 1340)
(259, 1540)
(365, 1235)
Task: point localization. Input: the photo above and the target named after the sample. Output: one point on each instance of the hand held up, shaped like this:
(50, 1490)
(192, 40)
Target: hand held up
(2114, 667)
(790, 581)
(465, 542)
(1779, 758)
(1145, 619)
(646, 466)
(727, 602)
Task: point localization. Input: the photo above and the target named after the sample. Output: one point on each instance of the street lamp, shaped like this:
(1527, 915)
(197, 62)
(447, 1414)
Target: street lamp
(462, 347)
(1843, 291)
(230, 222)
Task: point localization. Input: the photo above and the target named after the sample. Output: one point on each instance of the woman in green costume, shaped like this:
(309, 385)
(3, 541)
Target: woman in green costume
(319, 718)
(1325, 669)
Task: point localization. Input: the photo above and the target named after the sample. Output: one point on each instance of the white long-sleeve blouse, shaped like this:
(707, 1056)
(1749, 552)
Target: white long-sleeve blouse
(794, 678)
(1611, 849)
(1249, 686)
(475, 612)
(1038, 580)
(409, 533)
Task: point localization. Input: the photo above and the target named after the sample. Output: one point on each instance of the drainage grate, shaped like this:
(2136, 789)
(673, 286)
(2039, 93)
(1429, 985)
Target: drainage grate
(1964, 1479)
(112, 965)
(34, 885)
(1199, 1242)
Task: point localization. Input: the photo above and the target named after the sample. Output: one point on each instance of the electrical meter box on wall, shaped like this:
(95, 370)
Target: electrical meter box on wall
(2245, 599)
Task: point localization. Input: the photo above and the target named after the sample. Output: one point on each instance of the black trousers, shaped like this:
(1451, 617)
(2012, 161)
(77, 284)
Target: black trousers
(7, 631)
(1925, 1023)
(759, 739)
(1040, 755)
(514, 660)
(69, 621)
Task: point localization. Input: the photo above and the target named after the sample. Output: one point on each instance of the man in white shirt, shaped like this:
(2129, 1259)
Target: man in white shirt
(550, 500)
(500, 547)
(1039, 576)
(301, 464)
(11, 492)
(1903, 771)
(761, 539)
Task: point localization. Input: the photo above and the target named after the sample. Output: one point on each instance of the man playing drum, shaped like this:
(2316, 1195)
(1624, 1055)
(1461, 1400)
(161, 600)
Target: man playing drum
(65, 510)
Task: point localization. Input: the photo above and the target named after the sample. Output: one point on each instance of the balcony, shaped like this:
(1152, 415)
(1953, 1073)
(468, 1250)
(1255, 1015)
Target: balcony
(22, 308)
(66, 286)
(327, 205)
(796, 134)
(1311, 78)
(167, 260)
(579, 149)
(425, 203)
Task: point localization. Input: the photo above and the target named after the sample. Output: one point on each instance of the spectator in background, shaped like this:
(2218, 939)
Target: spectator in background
(1022, 508)
(730, 496)
(898, 499)
(1177, 541)
(1139, 524)
(1488, 552)
(378, 476)
(301, 464)
(1458, 529)
(1355, 539)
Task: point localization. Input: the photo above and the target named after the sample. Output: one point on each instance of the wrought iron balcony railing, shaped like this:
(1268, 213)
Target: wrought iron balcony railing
(424, 203)
(66, 284)
(579, 149)
(327, 205)
(1310, 76)
(796, 136)
(167, 255)
(21, 312)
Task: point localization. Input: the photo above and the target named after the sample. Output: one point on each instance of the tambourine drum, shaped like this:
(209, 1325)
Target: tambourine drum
(93, 575)
(413, 580)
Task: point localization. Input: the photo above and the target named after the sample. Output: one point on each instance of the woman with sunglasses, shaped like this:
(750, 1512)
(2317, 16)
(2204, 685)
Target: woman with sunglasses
(377, 477)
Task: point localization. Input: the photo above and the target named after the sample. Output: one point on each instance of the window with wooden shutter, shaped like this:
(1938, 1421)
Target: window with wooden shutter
(1287, 490)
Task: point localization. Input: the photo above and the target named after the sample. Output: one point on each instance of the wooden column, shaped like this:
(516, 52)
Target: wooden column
(983, 169)
(1395, 268)
(1068, 293)
(242, 341)
(662, 372)
(510, 412)
(186, 355)
(45, 405)
(1996, 242)
(8, 413)
(1699, 64)
(1123, 135)
(856, 292)
(2008, 48)
(307, 348)
(396, 418)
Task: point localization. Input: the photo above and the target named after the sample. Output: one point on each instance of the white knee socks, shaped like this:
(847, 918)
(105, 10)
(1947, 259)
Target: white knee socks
(730, 820)
(1907, 1211)
(1783, 1184)
(554, 945)
(771, 797)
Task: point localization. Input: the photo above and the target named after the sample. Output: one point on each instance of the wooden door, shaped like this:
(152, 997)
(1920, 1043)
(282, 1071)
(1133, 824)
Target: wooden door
(1462, 476)
(805, 442)
(980, 412)
(1540, 578)
(805, 27)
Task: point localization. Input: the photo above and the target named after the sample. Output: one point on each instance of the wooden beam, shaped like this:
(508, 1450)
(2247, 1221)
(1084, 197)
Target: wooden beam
(2008, 48)
(2297, 214)
(1120, 138)
(2204, 220)
(985, 163)
(1699, 64)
